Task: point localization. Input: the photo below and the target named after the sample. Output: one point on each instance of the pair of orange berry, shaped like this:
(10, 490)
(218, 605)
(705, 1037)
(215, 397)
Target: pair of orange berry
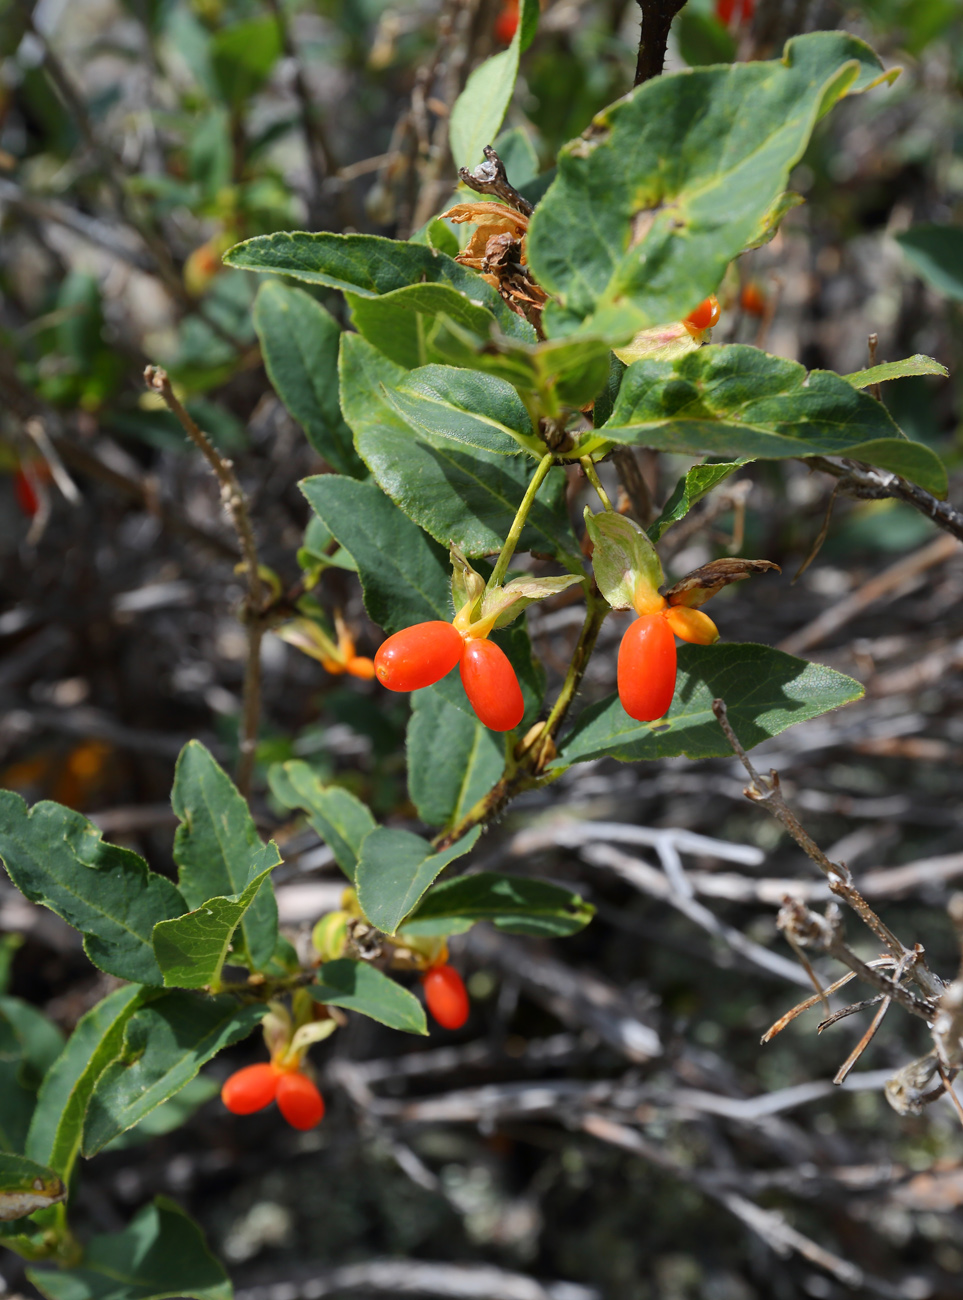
(421, 655)
(256, 1086)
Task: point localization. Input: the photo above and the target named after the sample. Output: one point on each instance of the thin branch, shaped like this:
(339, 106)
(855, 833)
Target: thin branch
(864, 1042)
(657, 18)
(879, 484)
(235, 503)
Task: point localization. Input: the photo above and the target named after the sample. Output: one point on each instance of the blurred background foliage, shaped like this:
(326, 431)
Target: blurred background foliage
(139, 140)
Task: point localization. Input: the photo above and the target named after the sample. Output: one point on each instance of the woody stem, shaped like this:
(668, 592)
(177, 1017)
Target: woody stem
(518, 523)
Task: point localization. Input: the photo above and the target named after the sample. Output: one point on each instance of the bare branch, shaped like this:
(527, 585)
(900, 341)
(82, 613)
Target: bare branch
(657, 18)
(490, 177)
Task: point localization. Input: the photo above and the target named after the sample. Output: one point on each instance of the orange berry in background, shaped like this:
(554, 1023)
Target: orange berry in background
(647, 668)
(753, 300)
(446, 996)
(506, 24)
(491, 685)
(705, 315)
(26, 496)
(418, 656)
(251, 1089)
(299, 1100)
(361, 667)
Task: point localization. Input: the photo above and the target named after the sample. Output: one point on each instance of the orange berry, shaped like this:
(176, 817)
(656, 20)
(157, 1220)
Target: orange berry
(418, 656)
(753, 300)
(446, 996)
(647, 667)
(724, 11)
(299, 1100)
(491, 685)
(692, 625)
(250, 1089)
(361, 667)
(705, 315)
(506, 24)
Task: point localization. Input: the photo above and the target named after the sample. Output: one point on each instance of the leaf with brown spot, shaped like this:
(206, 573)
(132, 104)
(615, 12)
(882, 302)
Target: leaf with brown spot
(703, 583)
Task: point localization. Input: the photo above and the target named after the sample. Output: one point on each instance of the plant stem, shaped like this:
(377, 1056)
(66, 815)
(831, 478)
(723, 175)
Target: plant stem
(518, 523)
(588, 465)
(595, 611)
(235, 502)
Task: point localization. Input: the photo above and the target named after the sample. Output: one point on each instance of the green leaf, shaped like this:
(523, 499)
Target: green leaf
(514, 903)
(191, 950)
(57, 857)
(480, 109)
(474, 409)
(437, 234)
(299, 343)
(26, 1186)
(368, 266)
(172, 1115)
(243, 56)
(396, 868)
(670, 183)
(765, 692)
(694, 484)
(936, 253)
(219, 852)
(356, 986)
(165, 1044)
(404, 573)
(57, 1124)
(465, 496)
(29, 1044)
(562, 372)
(625, 563)
(453, 760)
(397, 322)
(917, 365)
(161, 1254)
(737, 401)
(339, 818)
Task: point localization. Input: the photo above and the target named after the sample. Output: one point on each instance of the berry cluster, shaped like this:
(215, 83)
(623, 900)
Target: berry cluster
(421, 655)
(256, 1086)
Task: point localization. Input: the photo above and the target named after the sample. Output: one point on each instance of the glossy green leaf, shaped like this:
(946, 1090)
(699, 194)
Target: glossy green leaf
(936, 253)
(396, 868)
(404, 572)
(26, 1186)
(514, 903)
(670, 183)
(917, 365)
(562, 372)
(165, 1044)
(57, 857)
(737, 401)
(457, 494)
(162, 1253)
(465, 406)
(58, 1120)
(453, 760)
(191, 950)
(339, 818)
(357, 986)
(219, 851)
(299, 342)
(765, 692)
(368, 266)
(689, 491)
(397, 323)
(170, 1115)
(478, 112)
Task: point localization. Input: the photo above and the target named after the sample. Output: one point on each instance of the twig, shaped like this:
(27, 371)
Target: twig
(657, 18)
(888, 583)
(872, 343)
(235, 502)
(490, 177)
(630, 476)
(399, 1277)
(864, 1042)
(878, 484)
(768, 793)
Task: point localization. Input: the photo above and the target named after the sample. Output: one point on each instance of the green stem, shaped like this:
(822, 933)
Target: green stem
(588, 465)
(595, 611)
(518, 523)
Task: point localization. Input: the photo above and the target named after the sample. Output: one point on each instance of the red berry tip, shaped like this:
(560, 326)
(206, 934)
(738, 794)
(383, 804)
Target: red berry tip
(446, 996)
(299, 1101)
(418, 656)
(491, 686)
(250, 1089)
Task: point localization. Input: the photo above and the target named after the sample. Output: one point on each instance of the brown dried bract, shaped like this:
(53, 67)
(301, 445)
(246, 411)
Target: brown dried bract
(497, 251)
(698, 586)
